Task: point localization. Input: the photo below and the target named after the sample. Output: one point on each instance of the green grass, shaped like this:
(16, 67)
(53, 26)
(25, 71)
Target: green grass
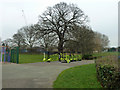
(78, 77)
(105, 54)
(32, 58)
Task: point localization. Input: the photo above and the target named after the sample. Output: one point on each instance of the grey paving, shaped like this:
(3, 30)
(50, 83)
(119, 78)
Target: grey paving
(34, 75)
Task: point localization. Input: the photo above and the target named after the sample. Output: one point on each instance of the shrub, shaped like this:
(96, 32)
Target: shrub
(108, 74)
(87, 57)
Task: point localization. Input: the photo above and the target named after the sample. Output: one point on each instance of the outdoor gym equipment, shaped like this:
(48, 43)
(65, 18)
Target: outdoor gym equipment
(8, 54)
(65, 58)
(62, 57)
(48, 59)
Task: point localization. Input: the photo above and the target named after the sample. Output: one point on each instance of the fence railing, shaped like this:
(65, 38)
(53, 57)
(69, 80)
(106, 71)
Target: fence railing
(8, 54)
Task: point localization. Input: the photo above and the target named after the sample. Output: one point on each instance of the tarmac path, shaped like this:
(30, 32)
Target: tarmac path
(35, 75)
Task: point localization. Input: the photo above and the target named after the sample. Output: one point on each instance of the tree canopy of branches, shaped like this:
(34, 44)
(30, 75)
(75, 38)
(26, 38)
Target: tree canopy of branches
(101, 41)
(18, 39)
(60, 20)
(48, 42)
(8, 41)
(83, 40)
(62, 26)
(29, 35)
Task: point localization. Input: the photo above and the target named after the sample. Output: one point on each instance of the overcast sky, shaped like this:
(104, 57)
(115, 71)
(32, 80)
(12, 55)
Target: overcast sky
(103, 15)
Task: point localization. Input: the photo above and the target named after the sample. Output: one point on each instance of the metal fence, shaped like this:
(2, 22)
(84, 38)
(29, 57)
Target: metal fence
(8, 54)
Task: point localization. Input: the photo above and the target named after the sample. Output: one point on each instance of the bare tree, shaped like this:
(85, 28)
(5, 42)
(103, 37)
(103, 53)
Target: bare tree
(48, 42)
(18, 39)
(9, 42)
(60, 19)
(83, 40)
(29, 35)
(71, 46)
(101, 41)
(105, 41)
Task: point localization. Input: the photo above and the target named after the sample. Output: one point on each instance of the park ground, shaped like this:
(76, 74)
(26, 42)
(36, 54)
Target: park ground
(35, 75)
(33, 58)
(32, 72)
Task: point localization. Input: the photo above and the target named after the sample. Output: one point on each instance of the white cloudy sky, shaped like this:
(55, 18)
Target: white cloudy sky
(103, 15)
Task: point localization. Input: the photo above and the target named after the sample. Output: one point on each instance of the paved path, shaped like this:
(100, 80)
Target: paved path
(34, 75)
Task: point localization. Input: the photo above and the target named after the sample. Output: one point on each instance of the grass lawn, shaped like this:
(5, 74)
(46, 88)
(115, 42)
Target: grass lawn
(78, 77)
(32, 58)
(105, 54)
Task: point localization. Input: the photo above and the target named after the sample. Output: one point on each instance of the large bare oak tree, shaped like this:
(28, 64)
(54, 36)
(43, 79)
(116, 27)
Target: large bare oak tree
(60, 20)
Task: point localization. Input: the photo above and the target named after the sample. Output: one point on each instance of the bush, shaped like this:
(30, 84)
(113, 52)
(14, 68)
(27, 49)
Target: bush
(87, 57)
(108, 74)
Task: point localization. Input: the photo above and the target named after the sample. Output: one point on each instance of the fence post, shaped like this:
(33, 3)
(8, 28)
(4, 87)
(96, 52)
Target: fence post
(8, 55)
(1, 54)
(4, 48)
(17, 51)
(13, 55)
(11, 59)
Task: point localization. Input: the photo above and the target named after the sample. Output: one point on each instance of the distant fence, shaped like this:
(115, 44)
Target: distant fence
(35, 51)
(40, 51)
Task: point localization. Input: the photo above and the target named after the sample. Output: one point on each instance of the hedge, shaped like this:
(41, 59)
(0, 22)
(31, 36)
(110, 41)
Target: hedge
(108, 76)
(108, 72)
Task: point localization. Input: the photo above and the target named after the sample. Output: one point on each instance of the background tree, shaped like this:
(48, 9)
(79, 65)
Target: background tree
(60, 19)
(48, 42)
(18, 39)
(29, 35)
(70, 46)
(101, 41)
(83, 40)
(62, 26)
(9, 42)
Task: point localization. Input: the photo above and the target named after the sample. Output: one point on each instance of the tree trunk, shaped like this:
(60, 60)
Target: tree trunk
(60, 47)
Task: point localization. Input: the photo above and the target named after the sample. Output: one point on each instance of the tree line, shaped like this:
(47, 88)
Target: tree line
(63, 26)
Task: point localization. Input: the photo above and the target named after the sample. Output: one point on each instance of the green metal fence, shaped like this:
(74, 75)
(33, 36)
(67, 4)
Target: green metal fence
(14, 58)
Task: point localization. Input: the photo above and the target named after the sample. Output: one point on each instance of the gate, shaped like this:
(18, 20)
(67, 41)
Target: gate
(9, 54)
(14, 58)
